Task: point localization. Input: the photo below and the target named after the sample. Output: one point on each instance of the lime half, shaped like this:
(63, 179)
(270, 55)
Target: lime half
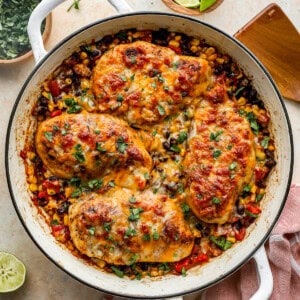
(205, 4)
(188, 3)
(12, 272)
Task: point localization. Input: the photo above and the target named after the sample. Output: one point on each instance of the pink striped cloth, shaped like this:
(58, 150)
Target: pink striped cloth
(283, 250)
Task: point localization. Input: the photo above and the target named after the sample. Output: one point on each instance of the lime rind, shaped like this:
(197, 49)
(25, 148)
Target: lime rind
(12, 272)
(205, 4)
(188, 3)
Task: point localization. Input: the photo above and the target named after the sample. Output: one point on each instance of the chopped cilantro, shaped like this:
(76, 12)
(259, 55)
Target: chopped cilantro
(216, 200)
(117, 271)
(232, 166)
(146, 176)
(237, 93)
(265, 142)
(100, 148)
(95, 184)
(121, 145)
(111, 183)
(133, 259)
(135, 213)
(123, 78)
(107, 226)
(250, 214)
(76, 193)
(253, 123)
(155, 235)
(215, 136)
(129, 232)
(185, 209)
(182, 137)
(78, 154)
(175, 148)
(48, 136)
(91, 230)
(216, 153)
(132, 199)
(146, 237)
(259, 197)
(161, 110)
(97, 131)
(133, 59)
(120, 98)
(221, 242)
(183, 271)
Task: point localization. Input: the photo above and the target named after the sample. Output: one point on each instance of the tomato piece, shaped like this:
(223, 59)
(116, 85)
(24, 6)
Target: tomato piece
(51, 186)
(239, 235)
(54, 88)
(60, 232)
(199, 258)
(23, 154)
(184, 263)
(56, 113)
(175, 49)
(253, 209)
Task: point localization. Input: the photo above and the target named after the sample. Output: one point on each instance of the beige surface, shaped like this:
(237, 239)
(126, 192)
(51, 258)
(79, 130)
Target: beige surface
(44, 280)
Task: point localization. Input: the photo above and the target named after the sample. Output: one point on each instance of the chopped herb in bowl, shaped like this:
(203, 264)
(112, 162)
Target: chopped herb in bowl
(14, 16)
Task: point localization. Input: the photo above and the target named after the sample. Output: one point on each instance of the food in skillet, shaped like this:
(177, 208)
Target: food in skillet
(151, 153)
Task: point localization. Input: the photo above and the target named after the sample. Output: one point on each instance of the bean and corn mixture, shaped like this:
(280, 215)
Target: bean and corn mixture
(68, 90)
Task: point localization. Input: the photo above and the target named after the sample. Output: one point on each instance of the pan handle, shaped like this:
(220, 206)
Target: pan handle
(34, 25)
(121, 6)
(265, 275)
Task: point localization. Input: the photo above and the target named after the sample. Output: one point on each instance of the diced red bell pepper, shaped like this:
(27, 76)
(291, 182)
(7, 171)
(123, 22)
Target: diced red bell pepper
(23, 154)
(52, 185)
(56, 113)
(253, 209)
(240, 234)
(54, 88)
(175, 49)
(190, 261)
(60, 232)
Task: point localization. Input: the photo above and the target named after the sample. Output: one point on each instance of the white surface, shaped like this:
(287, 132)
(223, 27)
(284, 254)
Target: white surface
(45, 280)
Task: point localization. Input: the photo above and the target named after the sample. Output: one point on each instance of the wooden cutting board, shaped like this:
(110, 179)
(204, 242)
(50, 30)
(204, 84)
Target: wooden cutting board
(276, 42)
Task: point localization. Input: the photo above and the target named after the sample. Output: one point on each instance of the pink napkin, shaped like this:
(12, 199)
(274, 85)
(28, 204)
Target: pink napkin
(283, 250)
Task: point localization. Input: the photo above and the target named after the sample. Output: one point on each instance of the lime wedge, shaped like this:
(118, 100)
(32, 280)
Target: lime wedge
(188, 3)
(12, 272)
(205, 4)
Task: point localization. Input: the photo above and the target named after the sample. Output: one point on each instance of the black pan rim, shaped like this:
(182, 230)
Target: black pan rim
(190, 19)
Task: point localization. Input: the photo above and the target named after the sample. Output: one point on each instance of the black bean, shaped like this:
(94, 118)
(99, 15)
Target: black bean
(206, 231)
(166, 145)
(270, 163)
(63, 208)
(238, 225)
(199, 226)
(240, 209)
(166, 133)
(173, 141)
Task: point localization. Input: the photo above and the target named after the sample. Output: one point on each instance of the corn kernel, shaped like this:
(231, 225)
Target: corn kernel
(68, 81)
(241, 101)
(178, 38)
(182, 152)
(174, 43)
(45, 86)
(68, 192)
(86, 61)
(231, 239)
(253, 189)
(136, 34)
(260, 155)
(154, 273)
(210, 51)
(85, 84)
(33, 187)
(212, 57)
(30, 170)
(240, 75)
(194, 49)
(50, 107)
(195, 42)
(60, 104)
(56, 217)
(66, 220)
(262, 191)
(32, 179)
(220, 60)
(83, 55)
(203, 56)
(271, 148)
(46, 94)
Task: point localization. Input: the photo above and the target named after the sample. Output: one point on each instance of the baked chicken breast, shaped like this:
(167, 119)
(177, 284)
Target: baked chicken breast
(121, 227)
(145, 83)
(220, 158)
(90, 145)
